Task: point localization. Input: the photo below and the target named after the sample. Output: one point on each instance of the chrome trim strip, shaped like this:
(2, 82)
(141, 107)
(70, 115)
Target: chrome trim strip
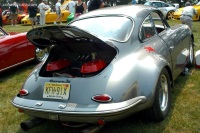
(16, 64)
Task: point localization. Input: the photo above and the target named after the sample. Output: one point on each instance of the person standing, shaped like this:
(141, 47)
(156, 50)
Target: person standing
(71, 6)
(80, 8)
(88, 2)
(42, 9)
(1, 21)
(95, 4)
(58, 12)
(187, 15)
(14, 13)
(32, 10)
(188, 3)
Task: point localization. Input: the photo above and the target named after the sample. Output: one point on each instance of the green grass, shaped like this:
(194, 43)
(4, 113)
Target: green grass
(184, 116)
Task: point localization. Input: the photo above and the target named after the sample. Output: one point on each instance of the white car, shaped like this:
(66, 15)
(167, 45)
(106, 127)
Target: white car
(167, 9)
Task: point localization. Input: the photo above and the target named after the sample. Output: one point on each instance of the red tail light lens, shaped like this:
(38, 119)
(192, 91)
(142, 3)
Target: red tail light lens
(102, 98)
(23, 92)
(57, 65)
(101, 122)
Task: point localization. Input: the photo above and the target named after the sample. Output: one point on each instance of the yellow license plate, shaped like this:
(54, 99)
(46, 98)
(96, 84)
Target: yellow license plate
(56, 90)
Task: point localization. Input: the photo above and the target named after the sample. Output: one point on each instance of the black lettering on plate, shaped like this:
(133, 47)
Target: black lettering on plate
(46, 90)
(58, 90)
(53, 90)
(64, 93)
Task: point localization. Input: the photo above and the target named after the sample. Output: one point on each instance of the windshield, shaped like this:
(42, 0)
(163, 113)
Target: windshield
(148, 3)
(114, 28)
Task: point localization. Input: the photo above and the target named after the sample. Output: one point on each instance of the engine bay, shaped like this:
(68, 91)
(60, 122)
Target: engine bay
(77, 59)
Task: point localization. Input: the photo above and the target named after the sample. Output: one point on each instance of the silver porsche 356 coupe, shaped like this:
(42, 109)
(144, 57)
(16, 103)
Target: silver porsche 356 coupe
(106, 65)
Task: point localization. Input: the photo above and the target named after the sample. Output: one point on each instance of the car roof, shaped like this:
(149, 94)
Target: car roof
(157, 1)
(126, 10)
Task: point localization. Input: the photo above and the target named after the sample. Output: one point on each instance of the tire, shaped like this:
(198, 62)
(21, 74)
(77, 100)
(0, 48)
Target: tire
(41, 54)
(191, 60)
(162, 100)
(170, 15)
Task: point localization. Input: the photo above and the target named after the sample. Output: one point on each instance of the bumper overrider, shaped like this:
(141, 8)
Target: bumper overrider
(73, 112)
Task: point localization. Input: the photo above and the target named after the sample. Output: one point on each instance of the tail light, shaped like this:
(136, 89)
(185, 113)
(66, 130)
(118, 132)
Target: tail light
(102, 98)
(93, 66)
(23, 92)
(57, 65)
(101, 122)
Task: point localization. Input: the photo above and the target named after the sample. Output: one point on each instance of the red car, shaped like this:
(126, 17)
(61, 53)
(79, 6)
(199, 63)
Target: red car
(15, 49)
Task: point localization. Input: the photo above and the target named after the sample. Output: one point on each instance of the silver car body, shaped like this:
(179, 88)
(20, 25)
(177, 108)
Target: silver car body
(134, 61)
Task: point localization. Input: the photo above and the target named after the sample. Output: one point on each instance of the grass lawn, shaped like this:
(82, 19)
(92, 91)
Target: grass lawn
(184, 116)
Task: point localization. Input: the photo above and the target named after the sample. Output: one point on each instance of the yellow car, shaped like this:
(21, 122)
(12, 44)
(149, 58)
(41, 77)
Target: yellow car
(196, 17)
(7, 19)
(50, 16)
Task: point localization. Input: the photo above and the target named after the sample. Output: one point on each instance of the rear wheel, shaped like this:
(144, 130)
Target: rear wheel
(41, 54)
(170, 15)
(162, 100)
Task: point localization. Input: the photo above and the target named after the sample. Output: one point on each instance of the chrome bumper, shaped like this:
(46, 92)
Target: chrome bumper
(76, 112)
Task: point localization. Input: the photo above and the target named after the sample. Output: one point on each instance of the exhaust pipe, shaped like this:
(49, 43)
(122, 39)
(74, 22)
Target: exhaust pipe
(92, 129)
(27, 125)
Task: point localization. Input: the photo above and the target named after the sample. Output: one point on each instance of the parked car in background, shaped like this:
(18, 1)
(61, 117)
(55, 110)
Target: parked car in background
(16, 49)
(167, 9)
(50, 15)
(7, 19)
(98, 71)
(196, 17)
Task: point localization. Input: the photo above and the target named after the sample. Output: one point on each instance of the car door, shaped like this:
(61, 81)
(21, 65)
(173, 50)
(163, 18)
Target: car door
(177, 44)
(150, 39)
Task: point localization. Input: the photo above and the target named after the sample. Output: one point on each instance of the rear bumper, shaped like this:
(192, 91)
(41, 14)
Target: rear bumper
(73, 112)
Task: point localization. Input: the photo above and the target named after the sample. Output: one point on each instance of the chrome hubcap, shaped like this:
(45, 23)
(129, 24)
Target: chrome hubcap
(191, 54)
(163, 93)
(170, 15)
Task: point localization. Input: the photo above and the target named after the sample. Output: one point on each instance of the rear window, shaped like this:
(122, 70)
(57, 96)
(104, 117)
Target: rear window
(114, 28)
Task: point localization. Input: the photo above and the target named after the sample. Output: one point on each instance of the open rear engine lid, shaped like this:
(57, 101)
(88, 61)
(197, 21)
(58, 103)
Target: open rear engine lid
(43, 37)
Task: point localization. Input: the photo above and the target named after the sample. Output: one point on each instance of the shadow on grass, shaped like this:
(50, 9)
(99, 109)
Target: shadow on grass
(6, 75)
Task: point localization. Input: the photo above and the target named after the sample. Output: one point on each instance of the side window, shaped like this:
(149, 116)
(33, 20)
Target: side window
(159, 25)
(147, 29)
(157, 4)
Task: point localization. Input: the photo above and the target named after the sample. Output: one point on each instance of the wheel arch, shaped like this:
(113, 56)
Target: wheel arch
(170, 75)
